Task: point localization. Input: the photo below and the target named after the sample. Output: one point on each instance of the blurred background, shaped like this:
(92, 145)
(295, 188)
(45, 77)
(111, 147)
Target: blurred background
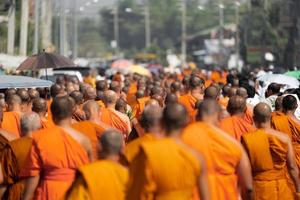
(211, 33)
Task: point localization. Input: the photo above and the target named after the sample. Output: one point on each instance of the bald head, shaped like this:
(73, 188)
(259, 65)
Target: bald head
(152, 102)
(140, 94)
(14, 102)
(225, 90)
(151, 117)
(110, 97)
(175, 117)
(171, 98)
(111, 143)
(211, 92)
(62, 108)
(91, 109)
(159, 99)
(121, 105)
(232, 92)
(289, 103)
(39, 106)
(261, 114)
(55, 89)
(90, 94)
(9, 92)
(33, 94)
(29, 122)
(77, 97)
(175, 87)
(115, 86)
(101, 85)
(236, 105)
(278, 103)
(209, 111)
(242, 92)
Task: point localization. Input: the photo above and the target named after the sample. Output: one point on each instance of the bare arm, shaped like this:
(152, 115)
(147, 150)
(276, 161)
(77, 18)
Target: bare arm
(292, 167)
(203, 183)
(30, 185)
(245, 175)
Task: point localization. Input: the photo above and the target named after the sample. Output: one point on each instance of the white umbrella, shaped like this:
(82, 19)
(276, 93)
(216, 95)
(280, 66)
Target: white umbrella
(289, 82)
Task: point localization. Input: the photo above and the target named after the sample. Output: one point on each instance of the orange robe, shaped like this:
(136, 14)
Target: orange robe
(268, 157)
(131, 99)
(12, 160)
(164, 170)
(132, 148)
(11, 123)
(46, 123)
(224, 101)
(222, 156)
(189, 102)
(101, 104)
(55, 156)
(285, 124)
(78, 115)
(236, 126)
(139, 107)
(103, 179)
(92, 131)
(49, 114)
(116, 120)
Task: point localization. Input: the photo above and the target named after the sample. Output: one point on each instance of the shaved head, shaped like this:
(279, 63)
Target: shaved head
(208, 109)
(90, 107)
(121, 105)
(55, 89)
(262, 113)
(89, 94)
(232, 92)
(175, 87)
(151, 116)
(278, 103)
(171, 98)
(77, 97)
(196, 81)
(29, 122)
(101, 85)
(110, 97)
(175, 117)
(289, 103)
(242, 92)
(159, 99)
(115, 86)
(140, 94)
(62, 108)
(39, 106)
(225, 90)
(33, 94)
(211, 92)
(236, 105)
(152, 102)
(13, 102)
(111, 143)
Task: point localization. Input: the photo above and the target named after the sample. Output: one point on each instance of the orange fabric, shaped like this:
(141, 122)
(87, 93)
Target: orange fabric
(268, 157)
(100, 180)
(114, 120)
(215, 76)
(164, 169)
(49, 114)
(47, 123)
(131, 99)
(133, 147)
(224, 102)
(11, 123)
(285, 124)
(78, 115)
(139, 107)
(13, 159)
(236, 126)
(90, 80)
(189, 102)
(54, 155)
(91, 130)
(222, 156)
(249, 116)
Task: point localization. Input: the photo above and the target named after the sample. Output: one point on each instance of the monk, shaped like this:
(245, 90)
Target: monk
(103, 179)
(39, 106)
(89, 94)
(14, 156)
(270, 153)
(211, 93)
(33, 94)
(175, 88)
(92, 127)
(140, 104)
(236, 125)
(112, 117)
(287, 123)
(227, 163)
(55, 90)
(55, 154)
(171, 98)
(167, 169)
(189, 100)
(78, 114)
(25, 100)
(11, 118)
(223, 101)
(150, 122)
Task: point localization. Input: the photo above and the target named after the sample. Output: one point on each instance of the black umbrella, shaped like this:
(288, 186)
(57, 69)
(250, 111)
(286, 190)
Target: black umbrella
(45, 60)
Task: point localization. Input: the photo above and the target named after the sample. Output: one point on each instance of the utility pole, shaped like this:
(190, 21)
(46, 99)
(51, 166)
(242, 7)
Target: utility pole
(24, 27)
(147, 25)
(237, 36)
(221, 33)
(36, 26)
(11, 28)
(75, 30)
(116, 27)
(183, 33)
(46, 26)
(62, 29)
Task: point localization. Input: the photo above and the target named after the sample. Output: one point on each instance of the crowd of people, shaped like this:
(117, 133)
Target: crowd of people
(164, 137)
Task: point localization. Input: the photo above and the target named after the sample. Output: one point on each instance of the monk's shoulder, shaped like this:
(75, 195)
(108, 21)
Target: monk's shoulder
(44, 133)
(278, 135)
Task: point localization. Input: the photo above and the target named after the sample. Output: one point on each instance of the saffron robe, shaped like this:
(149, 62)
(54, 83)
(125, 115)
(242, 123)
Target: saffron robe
(55, 156)
(11, 123)
(102, 179)
(268, 157)
(222, 156)
(189, 102)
